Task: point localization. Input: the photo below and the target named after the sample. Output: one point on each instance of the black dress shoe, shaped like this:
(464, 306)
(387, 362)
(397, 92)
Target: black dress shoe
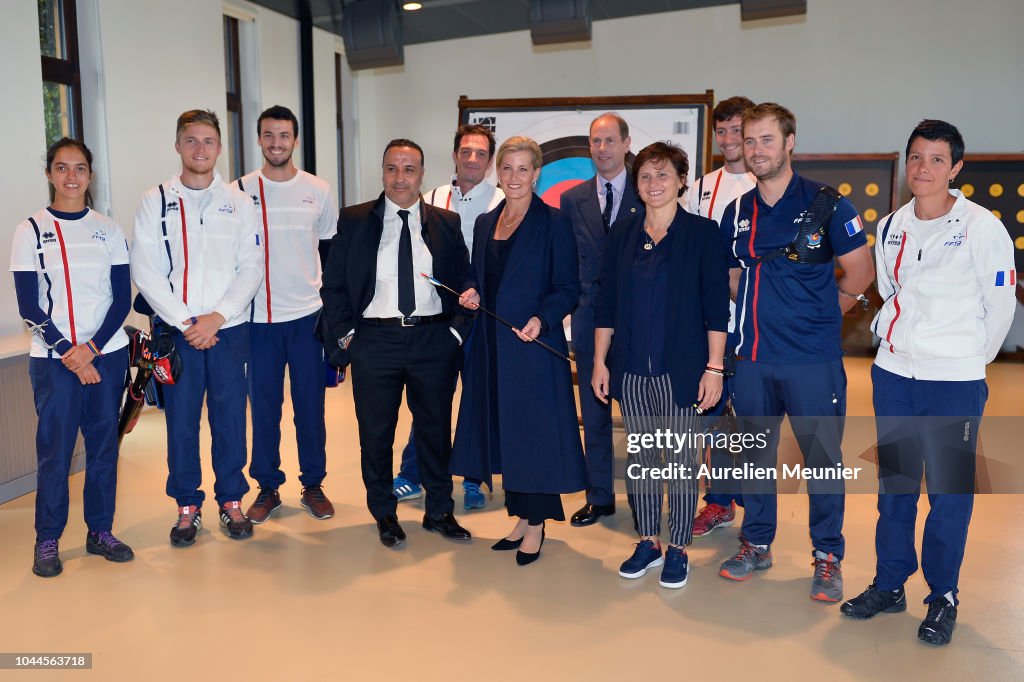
(448, 527)
(505, 544)
(524, 558)
(391, 534)
(590, 513)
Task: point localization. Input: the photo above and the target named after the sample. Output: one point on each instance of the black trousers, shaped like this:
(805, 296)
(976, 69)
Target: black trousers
(423, 360)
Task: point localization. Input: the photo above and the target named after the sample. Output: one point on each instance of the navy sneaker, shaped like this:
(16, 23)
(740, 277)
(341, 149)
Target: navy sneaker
(473, 497)
(646, 555)
(45, 559)
(404, 489)
(676, 568)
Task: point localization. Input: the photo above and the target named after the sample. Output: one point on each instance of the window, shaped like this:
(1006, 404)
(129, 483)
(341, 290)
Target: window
(58, 45)
(340, 142)
(233, 81)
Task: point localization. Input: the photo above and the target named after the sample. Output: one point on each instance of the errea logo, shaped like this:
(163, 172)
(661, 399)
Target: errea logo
(744, 226)
(226, 208)
(308, 199)
(49, 238)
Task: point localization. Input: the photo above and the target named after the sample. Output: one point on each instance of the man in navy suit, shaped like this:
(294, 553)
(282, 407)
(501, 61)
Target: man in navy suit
(594, 207)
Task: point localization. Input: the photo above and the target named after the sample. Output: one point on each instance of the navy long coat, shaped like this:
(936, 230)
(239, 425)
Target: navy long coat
(536, 447)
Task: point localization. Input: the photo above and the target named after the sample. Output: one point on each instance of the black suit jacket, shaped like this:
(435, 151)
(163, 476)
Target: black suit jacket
(581, 206)
(349, 280)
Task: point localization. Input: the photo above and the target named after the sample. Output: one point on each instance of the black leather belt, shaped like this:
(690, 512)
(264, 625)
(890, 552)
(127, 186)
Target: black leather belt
(405, 321)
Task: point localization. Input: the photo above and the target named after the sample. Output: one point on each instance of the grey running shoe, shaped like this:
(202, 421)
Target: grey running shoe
(744, 562)
(827, 584)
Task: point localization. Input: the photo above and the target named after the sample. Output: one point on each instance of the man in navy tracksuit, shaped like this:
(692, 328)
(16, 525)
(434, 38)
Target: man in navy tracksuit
(787, 336)
(947, 277)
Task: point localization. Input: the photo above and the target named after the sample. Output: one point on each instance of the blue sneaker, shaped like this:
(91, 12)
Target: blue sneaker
(646, 555)
(404, 489)
(473, 497)
(676, 568)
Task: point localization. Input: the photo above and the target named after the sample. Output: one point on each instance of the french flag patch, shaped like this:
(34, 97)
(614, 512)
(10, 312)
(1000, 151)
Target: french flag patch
(1006, 279)
(854, 226)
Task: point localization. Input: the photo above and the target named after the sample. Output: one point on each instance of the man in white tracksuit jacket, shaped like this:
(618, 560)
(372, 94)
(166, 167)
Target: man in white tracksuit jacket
(946, 274)
(197, 261)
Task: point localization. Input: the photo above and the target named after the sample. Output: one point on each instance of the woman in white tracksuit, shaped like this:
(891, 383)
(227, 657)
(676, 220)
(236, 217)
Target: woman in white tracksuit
(946, 274)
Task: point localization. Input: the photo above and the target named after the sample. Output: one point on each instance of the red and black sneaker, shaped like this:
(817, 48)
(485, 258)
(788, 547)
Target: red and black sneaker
(713, 516)
(237, 525)
(190, 520)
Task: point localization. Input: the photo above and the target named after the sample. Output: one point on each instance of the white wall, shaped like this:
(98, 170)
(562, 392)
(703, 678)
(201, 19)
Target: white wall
(144, 62)
(858, 75)
(21, 178)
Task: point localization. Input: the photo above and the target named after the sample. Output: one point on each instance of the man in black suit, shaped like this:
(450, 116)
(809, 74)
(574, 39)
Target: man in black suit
(595, 207)
(399, 332)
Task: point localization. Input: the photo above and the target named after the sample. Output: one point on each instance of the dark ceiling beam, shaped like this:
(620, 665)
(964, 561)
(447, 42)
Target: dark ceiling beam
(308, 134)
(751, 10)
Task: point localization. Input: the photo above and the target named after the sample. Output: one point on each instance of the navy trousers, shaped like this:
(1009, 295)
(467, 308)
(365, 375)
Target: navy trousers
(928, 427)
(218, 376)
(597, 436)
(64, 406)
(723, 493)
(814, 397)
(275, 346)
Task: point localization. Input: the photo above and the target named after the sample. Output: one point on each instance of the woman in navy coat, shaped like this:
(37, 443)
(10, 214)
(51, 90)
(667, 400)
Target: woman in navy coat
(659, 339)
(517, 416)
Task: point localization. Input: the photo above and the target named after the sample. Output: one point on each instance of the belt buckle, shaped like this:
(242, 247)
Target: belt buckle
(409, 321)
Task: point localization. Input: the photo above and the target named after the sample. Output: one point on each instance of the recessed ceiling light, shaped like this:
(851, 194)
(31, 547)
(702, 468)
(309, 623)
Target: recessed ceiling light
(412, 6)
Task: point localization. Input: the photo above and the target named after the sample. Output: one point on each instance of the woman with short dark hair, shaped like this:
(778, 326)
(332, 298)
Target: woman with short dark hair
(660, 328)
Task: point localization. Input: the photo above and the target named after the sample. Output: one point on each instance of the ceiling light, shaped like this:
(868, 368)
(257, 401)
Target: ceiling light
(412, 6)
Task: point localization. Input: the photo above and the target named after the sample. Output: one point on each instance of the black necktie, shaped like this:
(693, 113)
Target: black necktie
(406, 289)
(609, 199)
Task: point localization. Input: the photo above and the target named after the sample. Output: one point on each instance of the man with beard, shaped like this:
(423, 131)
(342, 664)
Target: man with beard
(299, 217)
(783, 236)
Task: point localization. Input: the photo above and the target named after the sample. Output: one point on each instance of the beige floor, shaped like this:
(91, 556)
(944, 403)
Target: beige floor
(308, 599)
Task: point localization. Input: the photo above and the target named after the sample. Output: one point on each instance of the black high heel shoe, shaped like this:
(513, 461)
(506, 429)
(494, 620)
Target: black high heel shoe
(524, 558)
(505, 544)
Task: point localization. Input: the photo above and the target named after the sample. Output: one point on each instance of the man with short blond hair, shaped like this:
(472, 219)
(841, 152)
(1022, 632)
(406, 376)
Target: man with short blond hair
(196, 261)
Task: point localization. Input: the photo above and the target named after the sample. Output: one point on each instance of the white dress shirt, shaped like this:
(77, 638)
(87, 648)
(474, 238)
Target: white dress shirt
(385, 296)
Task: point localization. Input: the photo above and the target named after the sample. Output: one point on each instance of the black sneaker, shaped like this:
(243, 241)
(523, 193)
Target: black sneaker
(46, 561)
(190, 520)
(874, 601)
(237, 525)
(937, 627)
(106, 545)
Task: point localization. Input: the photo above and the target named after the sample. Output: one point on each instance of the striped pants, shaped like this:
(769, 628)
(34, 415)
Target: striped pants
(648, 409)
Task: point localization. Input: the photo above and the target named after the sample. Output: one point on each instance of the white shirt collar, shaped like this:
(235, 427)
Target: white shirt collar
(391, 210)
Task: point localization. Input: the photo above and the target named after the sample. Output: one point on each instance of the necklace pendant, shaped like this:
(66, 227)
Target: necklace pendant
(648, 246)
